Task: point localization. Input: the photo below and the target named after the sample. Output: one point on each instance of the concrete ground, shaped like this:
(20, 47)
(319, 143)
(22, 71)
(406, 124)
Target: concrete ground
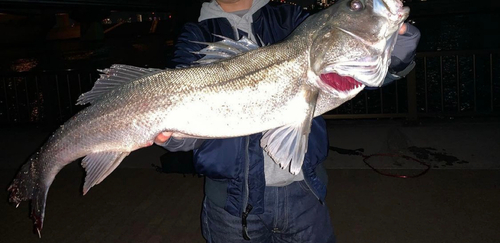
(443, 144)
(456, 201)
(141, 205)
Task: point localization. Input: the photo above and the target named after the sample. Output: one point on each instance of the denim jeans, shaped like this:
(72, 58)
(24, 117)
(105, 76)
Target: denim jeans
(291, 214)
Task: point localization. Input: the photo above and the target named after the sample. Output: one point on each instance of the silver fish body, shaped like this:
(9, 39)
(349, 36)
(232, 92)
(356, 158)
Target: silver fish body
(275, 89)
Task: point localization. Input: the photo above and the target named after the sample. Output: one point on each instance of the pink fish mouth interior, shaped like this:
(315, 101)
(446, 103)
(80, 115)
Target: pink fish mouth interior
(340, 83)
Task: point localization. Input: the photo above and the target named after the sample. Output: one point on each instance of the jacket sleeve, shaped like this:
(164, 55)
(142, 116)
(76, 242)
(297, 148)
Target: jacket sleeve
(299, 16)
(402, 55)
(185, 144)
(318, 140)
(405, 48)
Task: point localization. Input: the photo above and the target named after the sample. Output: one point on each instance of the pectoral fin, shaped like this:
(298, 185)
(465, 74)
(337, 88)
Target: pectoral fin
(287, 145)
(99, 165)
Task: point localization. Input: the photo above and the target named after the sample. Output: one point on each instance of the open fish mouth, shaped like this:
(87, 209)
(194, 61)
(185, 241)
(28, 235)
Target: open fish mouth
(344, 77)
(340, 83)
(348, 75)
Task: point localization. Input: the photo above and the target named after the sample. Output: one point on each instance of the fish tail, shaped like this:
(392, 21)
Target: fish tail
(38, 208)
(26, 186)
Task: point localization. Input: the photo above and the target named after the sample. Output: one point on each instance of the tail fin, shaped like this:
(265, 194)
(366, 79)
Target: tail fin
(27, 186)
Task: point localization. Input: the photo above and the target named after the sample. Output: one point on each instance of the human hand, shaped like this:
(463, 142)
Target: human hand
(162, 137)
(402, 30)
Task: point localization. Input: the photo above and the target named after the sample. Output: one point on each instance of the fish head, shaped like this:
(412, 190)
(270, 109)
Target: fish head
(351, 48)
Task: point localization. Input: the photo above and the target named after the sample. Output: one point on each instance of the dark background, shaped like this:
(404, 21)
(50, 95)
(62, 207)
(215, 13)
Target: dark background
(35, 36)
(50, 51)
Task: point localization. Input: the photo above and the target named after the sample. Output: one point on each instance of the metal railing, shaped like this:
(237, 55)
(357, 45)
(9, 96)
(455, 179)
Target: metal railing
(48, 96)
(455, 83)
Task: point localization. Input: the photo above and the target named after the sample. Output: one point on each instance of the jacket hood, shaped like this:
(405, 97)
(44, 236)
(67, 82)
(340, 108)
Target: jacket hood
(212, 10)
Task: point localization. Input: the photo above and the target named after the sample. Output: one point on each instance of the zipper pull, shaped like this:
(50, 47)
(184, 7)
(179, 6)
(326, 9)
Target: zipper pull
(244, 222)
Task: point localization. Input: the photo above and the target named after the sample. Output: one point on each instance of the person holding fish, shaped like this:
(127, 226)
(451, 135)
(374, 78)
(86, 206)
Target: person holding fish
(248, 197)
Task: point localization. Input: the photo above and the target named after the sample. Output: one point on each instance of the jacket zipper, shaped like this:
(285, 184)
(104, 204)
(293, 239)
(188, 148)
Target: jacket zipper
(312, 190)
(245, 205)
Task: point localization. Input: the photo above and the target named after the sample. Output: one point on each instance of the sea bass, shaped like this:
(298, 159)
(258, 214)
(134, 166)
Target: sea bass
(276, 90)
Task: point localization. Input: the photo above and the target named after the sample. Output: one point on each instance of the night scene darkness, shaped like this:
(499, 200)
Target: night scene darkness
(416, 160)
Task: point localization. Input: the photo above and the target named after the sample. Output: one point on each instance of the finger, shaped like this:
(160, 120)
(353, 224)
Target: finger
(162, 137)
(402, 30)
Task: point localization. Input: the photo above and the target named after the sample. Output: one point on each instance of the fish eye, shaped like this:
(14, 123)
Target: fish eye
(356, 5)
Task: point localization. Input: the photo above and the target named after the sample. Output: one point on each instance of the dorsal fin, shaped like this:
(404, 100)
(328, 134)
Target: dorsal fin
(223, 49)
(115, 76)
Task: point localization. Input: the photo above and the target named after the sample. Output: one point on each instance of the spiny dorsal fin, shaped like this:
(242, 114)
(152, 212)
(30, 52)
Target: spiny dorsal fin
(113, 77)
(225, 48)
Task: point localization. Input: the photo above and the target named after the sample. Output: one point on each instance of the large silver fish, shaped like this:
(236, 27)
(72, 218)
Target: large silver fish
(275, 89)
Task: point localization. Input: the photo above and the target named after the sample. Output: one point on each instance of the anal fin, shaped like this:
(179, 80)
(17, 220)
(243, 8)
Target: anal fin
(287, 145)
(99, 165)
